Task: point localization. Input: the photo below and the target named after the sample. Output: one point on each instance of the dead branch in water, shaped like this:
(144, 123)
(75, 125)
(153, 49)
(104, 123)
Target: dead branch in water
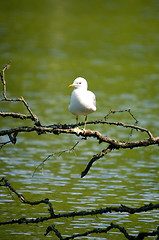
(52, 215)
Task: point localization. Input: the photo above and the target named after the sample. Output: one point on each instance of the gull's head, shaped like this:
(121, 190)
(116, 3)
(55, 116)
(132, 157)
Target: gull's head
(79, 83)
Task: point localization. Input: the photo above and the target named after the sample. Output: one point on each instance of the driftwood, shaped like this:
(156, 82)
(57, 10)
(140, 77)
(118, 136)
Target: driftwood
(110, 145)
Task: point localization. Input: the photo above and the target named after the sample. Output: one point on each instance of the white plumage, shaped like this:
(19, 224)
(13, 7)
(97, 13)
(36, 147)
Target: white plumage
(83, 102)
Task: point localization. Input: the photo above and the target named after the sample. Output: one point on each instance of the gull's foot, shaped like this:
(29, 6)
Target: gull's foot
(78, 130)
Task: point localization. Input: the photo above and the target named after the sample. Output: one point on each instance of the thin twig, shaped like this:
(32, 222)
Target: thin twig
(4, 143)
(3, 79)
(58, 154)
(120, 111)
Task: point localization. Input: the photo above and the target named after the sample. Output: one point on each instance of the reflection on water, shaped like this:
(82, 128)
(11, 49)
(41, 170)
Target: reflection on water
(115, 47)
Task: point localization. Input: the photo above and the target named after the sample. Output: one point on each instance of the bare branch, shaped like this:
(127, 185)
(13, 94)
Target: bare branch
(3, 80)
(87, 133)
(121, 111)
(101, 138)
(137, 128)
(4, 143)
(67, 128)
(96, 157)
(15, 115)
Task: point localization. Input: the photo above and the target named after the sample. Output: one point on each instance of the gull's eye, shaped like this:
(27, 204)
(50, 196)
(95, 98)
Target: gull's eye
(79, 82)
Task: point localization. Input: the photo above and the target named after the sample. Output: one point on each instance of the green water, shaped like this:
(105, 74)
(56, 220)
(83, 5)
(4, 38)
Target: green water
(114, 45)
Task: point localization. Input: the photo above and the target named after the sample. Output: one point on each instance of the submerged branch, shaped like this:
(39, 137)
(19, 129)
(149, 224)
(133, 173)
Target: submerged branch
(140, 235)
(122, 209)
(5, 183)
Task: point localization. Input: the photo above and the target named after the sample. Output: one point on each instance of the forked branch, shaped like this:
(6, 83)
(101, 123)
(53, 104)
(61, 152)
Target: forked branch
(31, 116)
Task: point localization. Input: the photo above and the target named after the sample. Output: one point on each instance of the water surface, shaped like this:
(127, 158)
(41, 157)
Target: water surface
(114, 45)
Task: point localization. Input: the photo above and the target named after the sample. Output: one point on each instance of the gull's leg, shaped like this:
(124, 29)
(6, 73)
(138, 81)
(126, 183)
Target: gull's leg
(77, 129)
(85, 122)
(77, 119)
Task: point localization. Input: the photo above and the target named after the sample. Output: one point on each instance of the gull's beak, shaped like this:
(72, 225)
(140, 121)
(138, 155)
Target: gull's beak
(71, 85)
